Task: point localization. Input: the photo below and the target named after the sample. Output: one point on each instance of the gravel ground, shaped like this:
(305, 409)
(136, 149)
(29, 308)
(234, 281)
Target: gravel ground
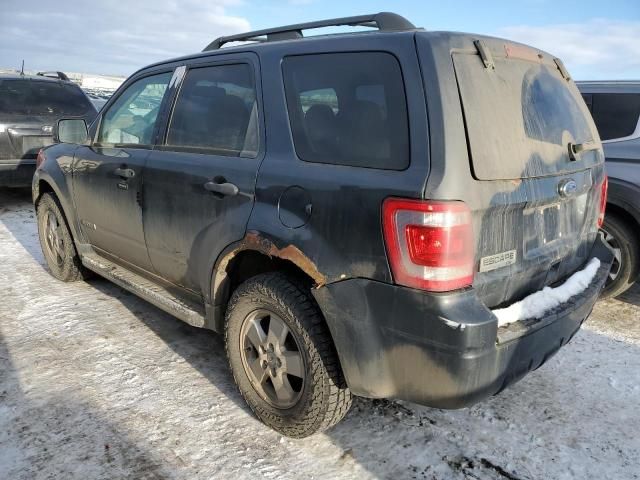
(97, 384)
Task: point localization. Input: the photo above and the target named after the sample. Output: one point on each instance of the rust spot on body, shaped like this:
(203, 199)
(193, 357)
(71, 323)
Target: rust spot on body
(254, 241)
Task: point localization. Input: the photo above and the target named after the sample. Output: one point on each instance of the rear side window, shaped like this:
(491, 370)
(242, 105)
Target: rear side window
(217, 110)
(616, 114)
(35, 97)
(588, 99)
(348, 109)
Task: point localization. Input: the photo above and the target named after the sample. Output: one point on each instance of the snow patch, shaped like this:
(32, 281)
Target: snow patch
(536, 304)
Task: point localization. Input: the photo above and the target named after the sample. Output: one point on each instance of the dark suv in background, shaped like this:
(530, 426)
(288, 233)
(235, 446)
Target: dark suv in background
(615, 106)
(30, 105)
(366, 213)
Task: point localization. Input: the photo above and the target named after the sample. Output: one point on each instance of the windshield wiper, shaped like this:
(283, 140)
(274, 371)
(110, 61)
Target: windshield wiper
(576, 149)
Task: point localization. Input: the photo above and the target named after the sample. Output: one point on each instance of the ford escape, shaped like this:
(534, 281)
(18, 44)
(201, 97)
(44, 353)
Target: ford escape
(355, 212)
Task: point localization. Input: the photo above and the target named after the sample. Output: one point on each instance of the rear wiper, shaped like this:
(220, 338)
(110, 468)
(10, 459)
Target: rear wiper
(576, 149)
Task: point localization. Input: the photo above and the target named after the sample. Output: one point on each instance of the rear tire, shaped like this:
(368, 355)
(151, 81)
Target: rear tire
(622, 238)
(278, 342)
(56, 240)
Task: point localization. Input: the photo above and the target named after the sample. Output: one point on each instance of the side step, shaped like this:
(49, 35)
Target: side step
(153, 293)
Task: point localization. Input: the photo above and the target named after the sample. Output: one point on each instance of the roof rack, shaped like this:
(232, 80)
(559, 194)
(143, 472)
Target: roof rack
(383, 21)
(58, 75)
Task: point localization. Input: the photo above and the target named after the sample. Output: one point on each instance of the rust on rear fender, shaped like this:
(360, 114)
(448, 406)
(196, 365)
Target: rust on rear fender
(255, 241)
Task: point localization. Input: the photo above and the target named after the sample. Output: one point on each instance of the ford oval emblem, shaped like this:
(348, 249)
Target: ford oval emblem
(566, 188)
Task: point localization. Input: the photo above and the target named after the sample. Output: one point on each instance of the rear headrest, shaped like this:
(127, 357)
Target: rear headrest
(319, 113)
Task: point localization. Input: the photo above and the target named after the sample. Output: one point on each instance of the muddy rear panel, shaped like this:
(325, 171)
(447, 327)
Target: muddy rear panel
(503, 117)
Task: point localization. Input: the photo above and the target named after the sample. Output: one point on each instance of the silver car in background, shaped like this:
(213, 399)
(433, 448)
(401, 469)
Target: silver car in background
(615, 106)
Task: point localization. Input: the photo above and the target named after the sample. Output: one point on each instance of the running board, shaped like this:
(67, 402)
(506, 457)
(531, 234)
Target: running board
(150, 291)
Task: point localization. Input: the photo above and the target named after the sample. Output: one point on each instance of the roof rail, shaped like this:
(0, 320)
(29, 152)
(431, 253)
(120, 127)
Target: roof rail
(58, 75)
(383, 21)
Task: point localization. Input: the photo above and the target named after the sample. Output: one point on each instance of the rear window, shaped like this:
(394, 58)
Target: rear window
(521, 117)
(348, 109)
(34, 97)
(616, 114)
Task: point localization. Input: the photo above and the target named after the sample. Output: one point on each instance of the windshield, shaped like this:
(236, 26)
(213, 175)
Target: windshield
(521, 118)
(34, 97)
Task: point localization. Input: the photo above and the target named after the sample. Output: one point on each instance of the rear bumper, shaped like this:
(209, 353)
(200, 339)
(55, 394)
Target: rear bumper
(442, 350)
(17, 172)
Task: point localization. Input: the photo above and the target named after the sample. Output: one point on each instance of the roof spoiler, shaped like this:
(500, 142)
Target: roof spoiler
(383, 21)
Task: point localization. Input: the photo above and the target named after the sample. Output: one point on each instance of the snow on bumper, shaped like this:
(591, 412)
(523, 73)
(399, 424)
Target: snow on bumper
(540, 302)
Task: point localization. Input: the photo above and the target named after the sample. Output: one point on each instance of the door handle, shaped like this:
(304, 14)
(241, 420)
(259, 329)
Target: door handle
(222, 188)
(124, 172)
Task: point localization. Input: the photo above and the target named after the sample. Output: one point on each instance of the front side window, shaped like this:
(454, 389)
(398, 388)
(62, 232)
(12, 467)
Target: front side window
(216, 110)
(131, 119)
(616, 114)
(348, 109)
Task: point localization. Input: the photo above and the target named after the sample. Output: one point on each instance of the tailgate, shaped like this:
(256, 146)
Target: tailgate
(522, 117)
(24, 143)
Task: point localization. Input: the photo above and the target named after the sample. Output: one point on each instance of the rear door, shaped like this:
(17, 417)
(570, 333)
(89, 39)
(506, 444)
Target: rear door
(108, 174)
(199, 184)
(522, 119)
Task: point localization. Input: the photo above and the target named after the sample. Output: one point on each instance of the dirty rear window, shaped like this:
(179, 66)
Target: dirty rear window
(34, 97)
(521, 118)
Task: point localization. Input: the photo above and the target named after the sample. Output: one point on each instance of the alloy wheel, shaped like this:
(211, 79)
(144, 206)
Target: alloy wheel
(617, 255)
(272, 358)
(53, 239)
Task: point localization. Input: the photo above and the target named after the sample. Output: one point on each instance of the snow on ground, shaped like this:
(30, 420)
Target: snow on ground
(97, 384)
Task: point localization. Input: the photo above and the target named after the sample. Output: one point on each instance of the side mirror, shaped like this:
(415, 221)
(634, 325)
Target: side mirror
(71, 130)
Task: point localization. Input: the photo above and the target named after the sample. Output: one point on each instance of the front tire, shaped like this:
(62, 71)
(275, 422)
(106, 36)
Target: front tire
(56, 240)
(624, 241)
(283, 358)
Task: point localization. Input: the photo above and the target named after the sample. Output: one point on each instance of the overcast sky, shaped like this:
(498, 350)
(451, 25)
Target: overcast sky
(595, 38)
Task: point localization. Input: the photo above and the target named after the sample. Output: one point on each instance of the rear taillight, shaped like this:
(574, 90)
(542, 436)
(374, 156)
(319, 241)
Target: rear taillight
(39, 158)
(603, 200)
(429, 243)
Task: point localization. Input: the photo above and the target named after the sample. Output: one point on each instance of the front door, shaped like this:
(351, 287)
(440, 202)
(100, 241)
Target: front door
(108, 174)
(199, 184)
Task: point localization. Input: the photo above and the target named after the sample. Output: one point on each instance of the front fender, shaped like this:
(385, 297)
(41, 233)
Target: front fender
(56, 173)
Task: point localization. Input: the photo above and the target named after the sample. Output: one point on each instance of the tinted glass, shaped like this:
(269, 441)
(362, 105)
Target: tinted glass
(616, 114)
(216, 110)
(588, 99)
(132, 117)
(348, 109)
(34, 97)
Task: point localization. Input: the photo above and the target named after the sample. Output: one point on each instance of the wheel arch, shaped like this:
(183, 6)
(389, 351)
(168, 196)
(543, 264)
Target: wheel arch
(54, 176)
(257, 253)
(623, 200)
